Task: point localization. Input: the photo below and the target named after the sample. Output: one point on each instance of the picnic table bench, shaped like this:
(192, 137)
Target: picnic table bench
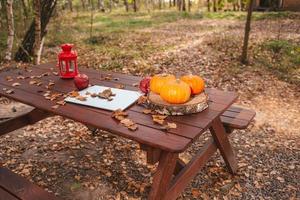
(162, 146)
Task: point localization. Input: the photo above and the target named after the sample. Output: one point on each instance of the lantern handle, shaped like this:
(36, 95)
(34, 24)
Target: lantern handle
(67, 47)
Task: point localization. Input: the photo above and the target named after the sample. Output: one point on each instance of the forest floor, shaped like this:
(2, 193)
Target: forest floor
(64, 157)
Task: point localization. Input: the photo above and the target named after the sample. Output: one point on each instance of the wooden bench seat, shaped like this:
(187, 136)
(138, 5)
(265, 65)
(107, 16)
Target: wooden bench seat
(15, 187)
(237, 117)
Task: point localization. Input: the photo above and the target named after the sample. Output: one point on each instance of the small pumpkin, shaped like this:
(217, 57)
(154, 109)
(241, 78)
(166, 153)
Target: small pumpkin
(159, 80)
(175, 92)
(195, 82)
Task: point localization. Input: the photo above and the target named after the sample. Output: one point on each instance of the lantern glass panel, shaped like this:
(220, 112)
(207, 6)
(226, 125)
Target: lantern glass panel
(63, 66)
(71, 66)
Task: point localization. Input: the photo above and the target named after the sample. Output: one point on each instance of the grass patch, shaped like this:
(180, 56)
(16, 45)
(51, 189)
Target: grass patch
(281, 57)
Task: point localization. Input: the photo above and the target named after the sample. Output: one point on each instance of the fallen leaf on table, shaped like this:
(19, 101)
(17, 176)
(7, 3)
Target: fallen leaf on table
(55, 106)
(9, 91)
(120, 86)
(116, 79)
(142, 100)
(87, 93)
(135, 84)
(74, 94)
(32, 82)
(147, 111)
(21, 77)
(45, 74)
(171, 125)
(15, 84)
(93, 95)
(9, 78)
(62, 103)
(106, 94)
(81, 98)
(51, 83)
(39, 83)
(129, 124)
(4, 89)
(55, 73)
(160, 119)
(119, 114)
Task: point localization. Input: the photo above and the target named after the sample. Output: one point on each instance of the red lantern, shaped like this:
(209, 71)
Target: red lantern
(67, 62)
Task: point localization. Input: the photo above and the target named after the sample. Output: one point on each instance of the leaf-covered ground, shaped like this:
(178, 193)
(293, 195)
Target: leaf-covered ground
(67, 159)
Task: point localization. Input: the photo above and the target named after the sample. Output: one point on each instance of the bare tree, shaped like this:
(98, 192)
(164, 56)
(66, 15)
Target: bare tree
(37, 32)
(126, 5)
(10, 29)
(244, 57)
(25, 51)
(100, 5)
(135, 6)
(208, 5)
(70, 5)
(1, 22)
(83, 4)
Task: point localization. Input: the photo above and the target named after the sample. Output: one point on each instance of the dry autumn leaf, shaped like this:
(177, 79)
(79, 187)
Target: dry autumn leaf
(15, 84)
(120, 86)
(62, 103)
(147, 111)
(55, 106)
(81, 98)
(9, 78)
(74, 94)
(119, 114)
(9, 91)
(142, 100)
(160, 119)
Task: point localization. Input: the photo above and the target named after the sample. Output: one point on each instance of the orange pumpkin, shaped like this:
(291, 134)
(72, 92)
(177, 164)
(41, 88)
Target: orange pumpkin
(159, 80)
(195, 82)
(175, 92)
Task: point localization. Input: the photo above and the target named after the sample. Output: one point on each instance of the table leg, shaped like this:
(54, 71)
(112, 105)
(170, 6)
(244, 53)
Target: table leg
(221, 139)
(163, 175)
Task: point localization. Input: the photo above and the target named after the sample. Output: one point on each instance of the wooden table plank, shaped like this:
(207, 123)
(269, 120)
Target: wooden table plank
(144, 134)
(22, 188)
(188, 127)
(4, 195)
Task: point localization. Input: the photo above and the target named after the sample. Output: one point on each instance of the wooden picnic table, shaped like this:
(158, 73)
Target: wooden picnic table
(162, 146)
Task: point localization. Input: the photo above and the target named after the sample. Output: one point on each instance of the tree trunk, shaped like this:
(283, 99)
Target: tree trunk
(24, 8)
(83, 4)
(101, 5)
(159, 4)
(110, 5)
(215, 6)
(10, 29)
(208, 5)
(189, 5)
(1, 22)
(183, 7)
(126, 5)
(25, 51)
(244, 57)
(37, 31)
(134, 5)
(70, 5)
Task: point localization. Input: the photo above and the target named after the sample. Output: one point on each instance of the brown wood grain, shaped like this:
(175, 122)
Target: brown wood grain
(22, 188)
(4, 195)
(163, 176)
(221, 139)
(190, 170)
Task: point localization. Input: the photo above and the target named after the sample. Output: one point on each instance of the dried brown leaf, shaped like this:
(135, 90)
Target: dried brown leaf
(147, 111)
(120, 86)
(142, 100)
(81, 98)
(15, 84)
(74, 94)
(9, 91)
